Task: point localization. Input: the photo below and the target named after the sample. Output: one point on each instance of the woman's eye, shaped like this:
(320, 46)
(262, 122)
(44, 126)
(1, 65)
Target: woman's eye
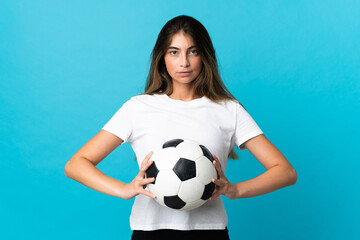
(194, 52)
(173, 52)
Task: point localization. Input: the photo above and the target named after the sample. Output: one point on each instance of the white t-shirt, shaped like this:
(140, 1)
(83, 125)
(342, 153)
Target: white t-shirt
(147, 121)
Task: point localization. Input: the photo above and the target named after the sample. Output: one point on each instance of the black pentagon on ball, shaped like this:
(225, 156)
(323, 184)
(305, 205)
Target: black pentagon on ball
(207, 153)
(174, 202)
(152, 171)
(209, 189)
(185, 169)
(172, 143)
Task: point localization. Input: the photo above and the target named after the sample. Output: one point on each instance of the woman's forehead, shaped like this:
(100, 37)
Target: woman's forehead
(181, 40)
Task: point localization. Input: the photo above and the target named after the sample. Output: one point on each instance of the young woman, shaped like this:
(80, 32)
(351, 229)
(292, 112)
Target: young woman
(184, 98)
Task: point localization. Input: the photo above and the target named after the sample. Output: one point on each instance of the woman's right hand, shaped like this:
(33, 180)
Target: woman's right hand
(138, 185)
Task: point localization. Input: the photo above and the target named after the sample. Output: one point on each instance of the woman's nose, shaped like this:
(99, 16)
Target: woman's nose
(184, 61)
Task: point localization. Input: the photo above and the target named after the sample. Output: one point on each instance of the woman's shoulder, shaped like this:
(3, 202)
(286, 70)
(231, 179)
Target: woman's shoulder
(228, 103)
(144, 96)
(232, 106)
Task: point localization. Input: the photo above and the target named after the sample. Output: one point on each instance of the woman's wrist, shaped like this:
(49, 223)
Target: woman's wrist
(233, 191)
(121, 190)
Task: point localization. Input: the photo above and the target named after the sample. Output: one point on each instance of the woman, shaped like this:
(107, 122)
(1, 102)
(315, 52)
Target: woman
(184, 98)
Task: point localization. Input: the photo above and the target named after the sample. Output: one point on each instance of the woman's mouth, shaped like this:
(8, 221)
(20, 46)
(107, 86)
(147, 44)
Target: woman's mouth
(184, 74)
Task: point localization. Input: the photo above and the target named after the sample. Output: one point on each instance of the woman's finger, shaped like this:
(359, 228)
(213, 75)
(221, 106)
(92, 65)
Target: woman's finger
(215, 195)
(147, 181)
(217, 162)
(147, 193)
(218, 182)
(145, 164)
(218, 168)
(146, 159)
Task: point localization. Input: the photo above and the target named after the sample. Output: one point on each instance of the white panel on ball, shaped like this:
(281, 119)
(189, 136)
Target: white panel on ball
(167, 183)
(166, 158)
(215, 173)
(193, 205)
(191, 190)
(189, 150)
(205, 170)
(159, 197)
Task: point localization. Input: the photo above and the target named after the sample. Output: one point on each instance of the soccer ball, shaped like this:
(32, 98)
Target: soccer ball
(183, 171)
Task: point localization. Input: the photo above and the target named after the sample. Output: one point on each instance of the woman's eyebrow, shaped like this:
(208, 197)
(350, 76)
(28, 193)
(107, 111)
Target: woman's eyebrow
(172, 47)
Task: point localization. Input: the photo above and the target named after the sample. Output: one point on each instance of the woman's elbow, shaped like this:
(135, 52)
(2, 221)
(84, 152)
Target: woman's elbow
(67, 169)
(292, 176)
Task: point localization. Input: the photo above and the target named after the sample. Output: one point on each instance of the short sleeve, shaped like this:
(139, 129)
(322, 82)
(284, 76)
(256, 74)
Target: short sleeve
(120, 123)
(245, 127)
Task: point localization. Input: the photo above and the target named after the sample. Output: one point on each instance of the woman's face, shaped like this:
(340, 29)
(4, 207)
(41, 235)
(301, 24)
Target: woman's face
(182, 59)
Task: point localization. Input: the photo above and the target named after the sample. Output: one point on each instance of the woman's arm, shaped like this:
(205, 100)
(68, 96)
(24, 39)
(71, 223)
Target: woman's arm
(82, 168)
(279, 172)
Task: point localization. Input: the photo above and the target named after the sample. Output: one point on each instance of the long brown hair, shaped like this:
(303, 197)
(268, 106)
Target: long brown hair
(208, 82)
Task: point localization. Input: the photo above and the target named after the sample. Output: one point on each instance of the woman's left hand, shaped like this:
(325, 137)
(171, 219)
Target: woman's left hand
(223, 186)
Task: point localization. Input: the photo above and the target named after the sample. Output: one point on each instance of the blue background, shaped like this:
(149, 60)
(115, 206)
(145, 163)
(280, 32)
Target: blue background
(67, 66)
